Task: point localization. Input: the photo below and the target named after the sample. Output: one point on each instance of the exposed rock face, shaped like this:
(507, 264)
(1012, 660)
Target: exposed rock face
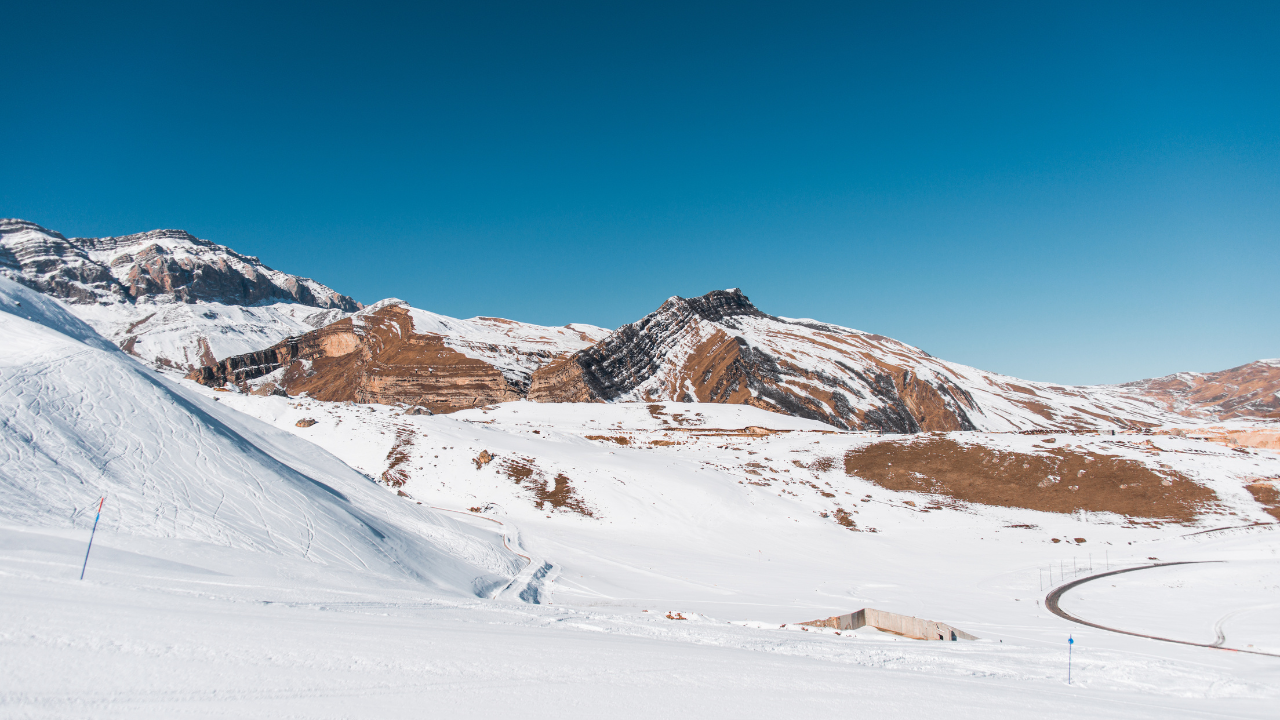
(721, 348)
(381, 355)
(1248, 391)
(169, 263)
(169, 298)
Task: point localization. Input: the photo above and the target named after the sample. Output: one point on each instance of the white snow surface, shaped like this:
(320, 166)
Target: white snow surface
(516, 349)
(226, 581)
(680, 529)
(185, 335)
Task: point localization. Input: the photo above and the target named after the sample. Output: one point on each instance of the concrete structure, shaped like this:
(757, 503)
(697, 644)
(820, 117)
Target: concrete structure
(903, 625)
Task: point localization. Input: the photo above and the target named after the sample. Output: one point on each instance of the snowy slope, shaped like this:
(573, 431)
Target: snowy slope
(167, 297)
(82, 419)
(671, 480)
(515, 348)
(676, 547)
(184, 336)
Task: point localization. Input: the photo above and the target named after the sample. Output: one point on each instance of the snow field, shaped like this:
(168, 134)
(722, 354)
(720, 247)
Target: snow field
(676, 531)
(248, 567)
(217, 634)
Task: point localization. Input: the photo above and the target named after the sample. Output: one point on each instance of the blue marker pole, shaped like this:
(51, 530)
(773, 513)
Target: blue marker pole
(91, 534)
(1070, 641)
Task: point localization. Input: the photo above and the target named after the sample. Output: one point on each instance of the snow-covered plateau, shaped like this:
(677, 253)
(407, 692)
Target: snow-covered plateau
(268, 556)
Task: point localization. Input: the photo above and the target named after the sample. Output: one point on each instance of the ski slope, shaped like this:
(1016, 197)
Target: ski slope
(82, 420)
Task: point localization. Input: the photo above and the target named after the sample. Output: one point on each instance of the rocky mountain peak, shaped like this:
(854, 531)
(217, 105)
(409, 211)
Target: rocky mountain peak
(714, 306)
(158, 265)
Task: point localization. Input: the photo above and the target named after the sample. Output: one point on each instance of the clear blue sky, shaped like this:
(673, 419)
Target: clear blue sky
(1070, 192)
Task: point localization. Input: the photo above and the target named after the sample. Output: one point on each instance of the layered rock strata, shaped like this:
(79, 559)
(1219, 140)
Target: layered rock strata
(721, 348)
(382, 355)
(169, 263)
(718, 348)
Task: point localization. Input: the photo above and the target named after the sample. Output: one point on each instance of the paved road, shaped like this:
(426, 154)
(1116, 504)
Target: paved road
(1051, 602)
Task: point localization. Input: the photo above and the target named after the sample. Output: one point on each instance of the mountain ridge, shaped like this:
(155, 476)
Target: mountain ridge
(166, 296)
(717, 348)
(184, 303)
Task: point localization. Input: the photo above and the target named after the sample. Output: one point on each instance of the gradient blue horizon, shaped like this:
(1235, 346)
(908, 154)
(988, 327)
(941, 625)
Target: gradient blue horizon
(1077, 193)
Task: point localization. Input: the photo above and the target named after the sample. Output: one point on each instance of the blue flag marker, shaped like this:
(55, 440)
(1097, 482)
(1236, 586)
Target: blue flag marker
(91, 534)
(1070, 641)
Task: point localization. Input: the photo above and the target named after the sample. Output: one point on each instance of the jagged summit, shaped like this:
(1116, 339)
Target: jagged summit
(714, 306)
(158, 265)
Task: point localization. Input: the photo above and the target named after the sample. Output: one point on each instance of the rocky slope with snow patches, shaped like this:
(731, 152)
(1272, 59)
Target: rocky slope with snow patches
(1248, 391)
(392, 353)
(83, 420)
(720, 348)
(165, 296)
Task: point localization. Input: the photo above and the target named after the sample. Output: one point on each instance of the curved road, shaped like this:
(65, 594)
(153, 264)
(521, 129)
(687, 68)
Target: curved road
(1051, 602)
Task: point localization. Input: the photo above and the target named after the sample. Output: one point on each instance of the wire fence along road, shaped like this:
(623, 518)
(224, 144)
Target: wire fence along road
(1051, 602)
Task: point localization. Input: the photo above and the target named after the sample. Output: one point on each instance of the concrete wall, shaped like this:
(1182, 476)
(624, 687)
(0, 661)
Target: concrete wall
(903, 625)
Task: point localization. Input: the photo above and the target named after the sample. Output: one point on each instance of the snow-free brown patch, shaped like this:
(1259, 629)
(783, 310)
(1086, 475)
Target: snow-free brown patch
(396, 476)
(525, 473)
(619, 439)
(1059, 480)
(844, 518)
(1267, 495)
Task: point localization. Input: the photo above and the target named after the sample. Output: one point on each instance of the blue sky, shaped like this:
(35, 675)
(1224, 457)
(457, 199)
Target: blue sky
(1071, 192)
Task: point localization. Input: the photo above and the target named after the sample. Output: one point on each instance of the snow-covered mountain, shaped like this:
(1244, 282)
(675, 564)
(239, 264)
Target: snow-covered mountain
(391, 353)
(168, 297)
(718, 348)
(83, 420)
(1247, 391)
(176, 301)
(721, 348)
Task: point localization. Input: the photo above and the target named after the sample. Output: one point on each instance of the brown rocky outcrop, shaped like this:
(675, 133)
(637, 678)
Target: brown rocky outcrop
(375, 357)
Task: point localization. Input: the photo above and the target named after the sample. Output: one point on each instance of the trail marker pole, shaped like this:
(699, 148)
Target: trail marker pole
(1070, 641)
(93, 532)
